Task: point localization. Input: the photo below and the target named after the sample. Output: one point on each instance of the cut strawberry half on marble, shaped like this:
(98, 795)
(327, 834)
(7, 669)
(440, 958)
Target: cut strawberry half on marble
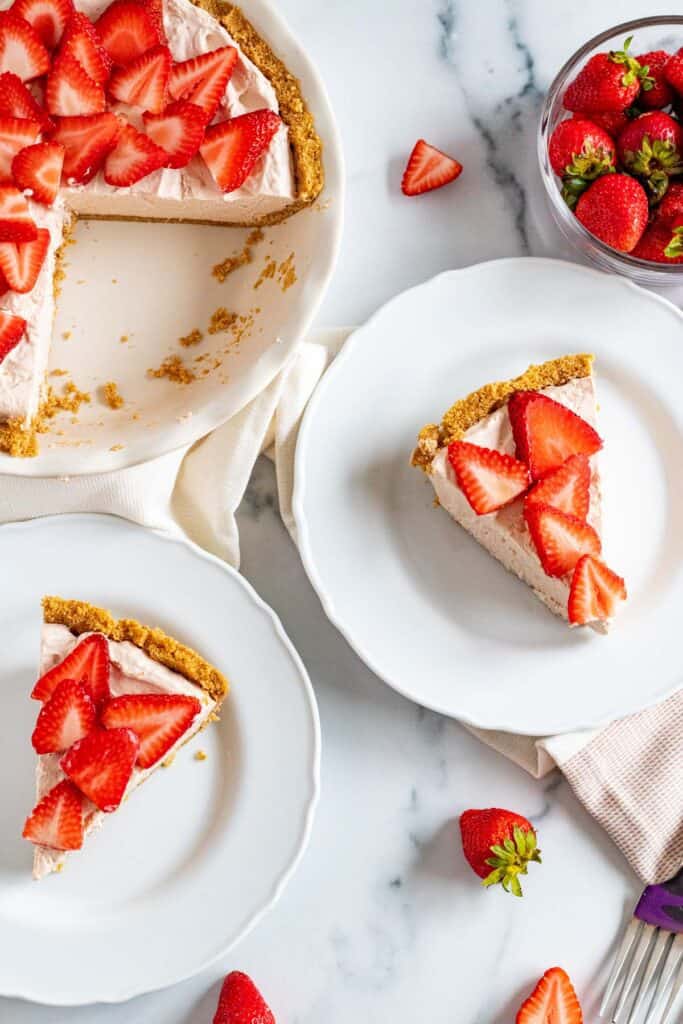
(86, 141)
(16, 223)
(88, 663)
(232, 148)
(38, 170)
(57, 820)
(17, 101)
(12, 330)
(70, 92)
(489, 479)
(560, 538)
(566, 488)
(144, 82)
(546, 432)
(82, 42)
(596, 592)
(66, 717)
(134, 157)
(127, 30)
(47, 17)
(553, 1001)
(428, 168)
(21, 262)
(178, 130)
(15, 134)
(157, 719)
(101, 764)
(21, 48)
(203, 80)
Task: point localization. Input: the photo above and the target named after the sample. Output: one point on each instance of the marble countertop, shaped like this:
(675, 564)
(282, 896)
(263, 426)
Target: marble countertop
(384, 922)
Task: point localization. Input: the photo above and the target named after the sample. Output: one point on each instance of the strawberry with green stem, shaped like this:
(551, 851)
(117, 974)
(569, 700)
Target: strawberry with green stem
(660, 94)
(579, 152)
(615, 209)
(498, 845)
(608, 81)
(651, 147)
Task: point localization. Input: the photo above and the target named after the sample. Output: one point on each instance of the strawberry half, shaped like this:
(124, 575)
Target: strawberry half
(489, 479)
(240, 1002)
(428, 168)
(553, 1001)
(127, 30)
(70, 92)
(101, 765)
(546, 433)
(203, 80)
(134, 157)
(158, 720)
(21, 262)
(595, 592)
(560, 539)
(143, 82)
(87, 141)
(498, 845)
(21, 48)
(17, 101)
(57, 820)
(82, 42)
(15, 134)
(11, 332)
(179, 131)
(48, 17)
(88, 663)
(566, 488)
(16, 224)
(39, 168)
(66, 717)
(231, 148)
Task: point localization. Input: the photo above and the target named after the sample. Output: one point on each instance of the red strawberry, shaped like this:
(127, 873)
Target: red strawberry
(178, 130)
(553, 1001)
(488, 479)
(203, 80)
(231, 148)
(660, 94)
(57, 820)
(16, 224)
(428, 168)
(614, 208)
(17, 101)
(88, 663)
(82, 42)
(21, 49)
(672, 203)
(21, 262)
(240, 1002)
(101, 765)
(580, 152)
(127, 30)
(66, 717)
(611, 121)
(155, 10)
(595, 592)
(134, 157)
(673, 71)
(70, 92)
(559, 538)
(498, 846)
(11, 332)
(608, 81)
(651, 146)
(546, 433)
(662, 241)
(566, 488)
(15, 134)
(39, 168)
(158, 720)
(86, 141)
(144, 81)
(48, 17)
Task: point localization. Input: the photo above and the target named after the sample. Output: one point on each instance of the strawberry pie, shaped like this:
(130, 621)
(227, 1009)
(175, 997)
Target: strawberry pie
(117, 700)
(132, 109)
(516, 464)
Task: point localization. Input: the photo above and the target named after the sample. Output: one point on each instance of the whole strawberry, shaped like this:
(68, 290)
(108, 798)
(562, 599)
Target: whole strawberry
(608, 81)
(615, 209)
(673, 71)
(663, 239)
(611, 121)
(240, 1002)
(498, 845)
(651, 147)
(580, 152)
(660, 94)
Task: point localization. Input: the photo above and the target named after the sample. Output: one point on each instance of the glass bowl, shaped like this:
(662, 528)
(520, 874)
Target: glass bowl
(657, 33)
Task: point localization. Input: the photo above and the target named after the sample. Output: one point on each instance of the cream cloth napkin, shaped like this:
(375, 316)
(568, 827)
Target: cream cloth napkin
(629, 775)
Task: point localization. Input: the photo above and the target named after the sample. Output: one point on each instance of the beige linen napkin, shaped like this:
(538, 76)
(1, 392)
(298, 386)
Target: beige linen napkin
(629, 775)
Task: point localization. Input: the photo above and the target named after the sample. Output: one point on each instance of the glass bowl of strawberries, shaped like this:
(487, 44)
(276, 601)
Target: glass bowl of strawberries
(610, 148)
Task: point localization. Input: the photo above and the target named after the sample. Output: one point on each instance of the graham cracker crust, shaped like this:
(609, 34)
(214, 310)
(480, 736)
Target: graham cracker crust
(81, 617)
(485, 400)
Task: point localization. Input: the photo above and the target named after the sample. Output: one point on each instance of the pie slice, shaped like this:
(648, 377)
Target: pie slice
(515, 463)
(118, 700)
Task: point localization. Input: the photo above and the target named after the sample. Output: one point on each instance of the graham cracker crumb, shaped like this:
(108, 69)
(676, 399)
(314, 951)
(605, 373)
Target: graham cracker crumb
(117, 448)
(168, 761)
(221, 320)
(173, 368)
(59, 373)
(286, 273)
(123, 339)
(66, 335)
(112, 396)
(240, 259)
(200, 755)
(193, 338)
(266, 274)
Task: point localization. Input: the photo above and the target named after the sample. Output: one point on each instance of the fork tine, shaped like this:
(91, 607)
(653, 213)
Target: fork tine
(631, 936)
(642, 950)
(659, 948)
(673, 996)
(667, 972)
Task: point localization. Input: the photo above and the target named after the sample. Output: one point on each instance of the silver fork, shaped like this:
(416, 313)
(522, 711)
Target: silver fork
(647, 976)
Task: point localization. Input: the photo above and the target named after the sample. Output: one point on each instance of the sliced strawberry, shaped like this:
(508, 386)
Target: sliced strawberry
(155, 9)
(57, 820)
(203, 80)
(488, 479)
(21, 48)
(15, 134)
(546, 433)
(179, 131)
(428, 168)
(553, 1001)
(21, 262)
(157, 719)
(16, 223)
(559, 538)
(87, 141)
(101, 764)
(88, 663)
(134, 157)
(566, 488)
(66, 717)
(82, 42)
(48, 17)
(231, 148)
(39, 168)
(595, 592)
(17, 101)
(143, 82)
(11, 332)
(70, 92)
(127, 30)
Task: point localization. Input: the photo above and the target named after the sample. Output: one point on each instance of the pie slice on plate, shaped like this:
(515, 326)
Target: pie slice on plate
(516, 465)
(118, 700)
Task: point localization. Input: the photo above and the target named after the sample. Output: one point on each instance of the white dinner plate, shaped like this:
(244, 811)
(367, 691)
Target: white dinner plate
(189, 864)
(152, 284)
(422, 604)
